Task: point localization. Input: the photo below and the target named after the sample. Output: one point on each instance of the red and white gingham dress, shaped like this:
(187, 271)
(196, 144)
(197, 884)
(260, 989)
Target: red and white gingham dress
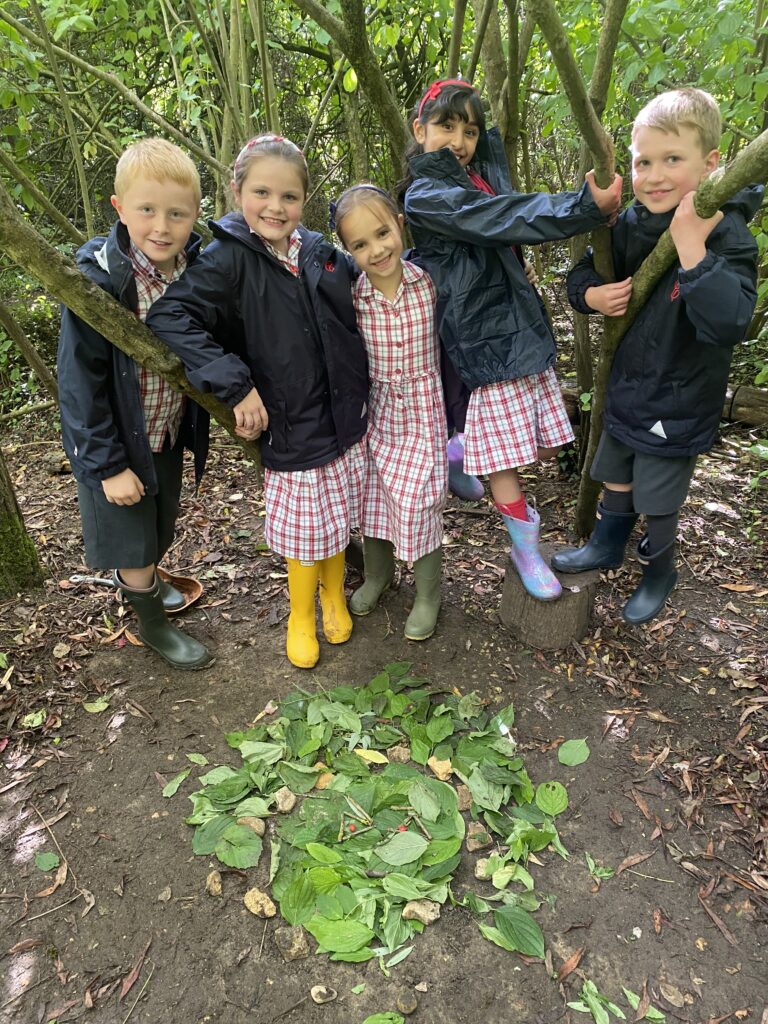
(507, 422)
(310, 512)
(407, 466)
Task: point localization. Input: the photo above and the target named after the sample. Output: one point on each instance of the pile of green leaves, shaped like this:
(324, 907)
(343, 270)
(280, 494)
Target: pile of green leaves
(380, 834)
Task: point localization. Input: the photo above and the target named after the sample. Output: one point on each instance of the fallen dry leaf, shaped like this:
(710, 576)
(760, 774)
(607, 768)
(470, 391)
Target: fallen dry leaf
(442, 769)
(130, 980)
(635, 858)
(570, 964)
(24, 946)
(59, 880)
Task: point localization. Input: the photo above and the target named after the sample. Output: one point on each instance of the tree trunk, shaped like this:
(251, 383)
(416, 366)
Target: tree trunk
(61, 278)
(19, 567)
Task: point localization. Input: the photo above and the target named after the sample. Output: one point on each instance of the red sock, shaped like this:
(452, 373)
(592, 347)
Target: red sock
(514, 509)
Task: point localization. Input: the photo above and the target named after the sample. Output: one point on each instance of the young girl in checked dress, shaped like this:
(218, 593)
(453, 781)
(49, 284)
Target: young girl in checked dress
(265, 321)
(407, 470)
(465, 217)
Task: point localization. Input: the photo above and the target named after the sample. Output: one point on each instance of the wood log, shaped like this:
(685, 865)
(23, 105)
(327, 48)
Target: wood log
(743, 404)
(549, 625)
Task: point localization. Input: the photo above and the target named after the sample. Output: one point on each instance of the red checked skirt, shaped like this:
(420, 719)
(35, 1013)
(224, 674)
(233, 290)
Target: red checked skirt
(507, 422)
(310, 512)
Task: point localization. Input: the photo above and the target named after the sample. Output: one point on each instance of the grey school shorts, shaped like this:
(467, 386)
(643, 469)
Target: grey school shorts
(659, 484)
(133, 536)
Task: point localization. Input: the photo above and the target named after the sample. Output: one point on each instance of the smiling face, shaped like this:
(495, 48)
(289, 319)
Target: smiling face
(456, 134)
(373, 237)
(272, 198)
(159, 216)
(668, 165)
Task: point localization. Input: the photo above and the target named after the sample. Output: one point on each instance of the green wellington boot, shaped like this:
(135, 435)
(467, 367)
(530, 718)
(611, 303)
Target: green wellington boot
(427, 572)
(379, 571)
(178, 649)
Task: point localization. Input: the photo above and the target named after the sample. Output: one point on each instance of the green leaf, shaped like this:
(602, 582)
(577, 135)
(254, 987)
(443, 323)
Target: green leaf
(207, 835)
(261, 753)
(172, 787)
(239, 847)
(404, 887)
(253, 807)
(423, 801)
(573, 752)
(350, 80)
(519, 928)
(298, 903)
(358, 989)
(551, 798)
(339, 936)
(323, 854)
(470, 706)
(385, 1018)
(34, 719)
(46, 861)
(651, 1013)
(497, 937)
(402, 848)
(200, 759)
(596, 870)
(439, 729)
(299, 778)
(486, 794)
(96, 706)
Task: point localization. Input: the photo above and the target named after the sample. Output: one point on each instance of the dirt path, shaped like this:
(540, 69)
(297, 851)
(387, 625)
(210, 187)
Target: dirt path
(660, 709)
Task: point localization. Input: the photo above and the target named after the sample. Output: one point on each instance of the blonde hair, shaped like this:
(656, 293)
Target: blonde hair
(159, 160)
(690, 108)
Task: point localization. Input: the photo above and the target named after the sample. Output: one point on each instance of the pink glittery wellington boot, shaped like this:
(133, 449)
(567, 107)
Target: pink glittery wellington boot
(462, 484)
(538, 579)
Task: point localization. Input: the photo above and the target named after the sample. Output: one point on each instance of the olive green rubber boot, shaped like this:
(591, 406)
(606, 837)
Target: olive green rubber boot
(427, 572)
(379, 558)
(178, 649)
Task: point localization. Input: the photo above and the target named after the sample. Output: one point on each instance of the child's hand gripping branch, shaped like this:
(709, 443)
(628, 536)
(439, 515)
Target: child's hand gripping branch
(690, 232)
(607, 200)
(610, 299)
(250, 416)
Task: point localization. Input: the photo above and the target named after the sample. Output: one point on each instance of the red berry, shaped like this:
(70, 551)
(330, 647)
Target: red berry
(352, 827)
(402, 828)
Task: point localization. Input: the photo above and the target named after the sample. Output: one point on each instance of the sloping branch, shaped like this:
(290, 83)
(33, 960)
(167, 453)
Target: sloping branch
(59, 276)
(23, 344)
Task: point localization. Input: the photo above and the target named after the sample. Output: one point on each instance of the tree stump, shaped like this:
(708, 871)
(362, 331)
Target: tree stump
(549, 625)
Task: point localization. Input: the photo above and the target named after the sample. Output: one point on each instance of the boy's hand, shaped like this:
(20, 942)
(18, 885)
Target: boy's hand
(250, 416)
(690, 231)
(123, 489)
(530, 272)
(608, 200)
(610, 299)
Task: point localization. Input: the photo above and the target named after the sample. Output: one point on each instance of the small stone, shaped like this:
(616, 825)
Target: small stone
(477, 837)
(442, 769)
(422, 987)
(407, 1003)
(465, 797)
(292, 943)
(425, 911)
(322, 994)
(213, 883)
(256, 824)
(285, 799)
(259, 903)
(401, 754)
(481, 868)
(165, 895)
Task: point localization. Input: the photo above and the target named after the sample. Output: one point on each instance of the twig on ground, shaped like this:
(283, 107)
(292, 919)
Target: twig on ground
(141, 993)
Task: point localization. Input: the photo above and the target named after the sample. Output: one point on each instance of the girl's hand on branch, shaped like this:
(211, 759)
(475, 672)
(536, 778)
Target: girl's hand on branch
(608, 200)
(690, 231)
(250, 416)
(610, 299)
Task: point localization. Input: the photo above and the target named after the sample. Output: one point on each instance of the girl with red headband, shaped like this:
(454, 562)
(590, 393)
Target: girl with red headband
(465, 219)
(264, 320)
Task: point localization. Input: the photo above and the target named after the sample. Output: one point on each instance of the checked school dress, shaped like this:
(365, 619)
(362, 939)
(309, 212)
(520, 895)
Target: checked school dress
(507, 422)
(407, 466)
(310, 512)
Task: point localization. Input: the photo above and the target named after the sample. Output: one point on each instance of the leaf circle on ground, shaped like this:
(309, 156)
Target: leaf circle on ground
(573, 752)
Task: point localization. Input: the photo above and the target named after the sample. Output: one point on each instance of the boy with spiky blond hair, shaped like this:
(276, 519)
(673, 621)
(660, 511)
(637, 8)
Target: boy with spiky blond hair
(669, 375)
(124, 428)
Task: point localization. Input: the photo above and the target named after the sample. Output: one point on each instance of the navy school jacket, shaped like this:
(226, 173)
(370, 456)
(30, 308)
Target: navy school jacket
(490, 319)
(239, 319)
(102, 418)
(670, 372)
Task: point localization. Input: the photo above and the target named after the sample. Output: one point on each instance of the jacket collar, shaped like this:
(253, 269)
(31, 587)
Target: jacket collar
(490, 161)
(234, 225)
(111, 255)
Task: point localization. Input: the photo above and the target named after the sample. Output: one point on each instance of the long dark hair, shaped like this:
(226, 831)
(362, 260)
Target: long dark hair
(455, 100)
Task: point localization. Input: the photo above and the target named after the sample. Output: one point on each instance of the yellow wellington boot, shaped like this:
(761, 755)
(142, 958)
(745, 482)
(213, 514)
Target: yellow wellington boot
(337, 624)
(301, 645)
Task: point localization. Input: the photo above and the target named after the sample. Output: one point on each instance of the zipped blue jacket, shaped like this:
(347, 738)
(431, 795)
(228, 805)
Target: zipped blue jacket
(490, 319)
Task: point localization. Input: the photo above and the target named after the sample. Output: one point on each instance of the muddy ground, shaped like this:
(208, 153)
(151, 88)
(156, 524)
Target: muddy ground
(675, 713)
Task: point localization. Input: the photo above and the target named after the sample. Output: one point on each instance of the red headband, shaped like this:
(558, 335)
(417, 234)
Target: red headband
(437, 87)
